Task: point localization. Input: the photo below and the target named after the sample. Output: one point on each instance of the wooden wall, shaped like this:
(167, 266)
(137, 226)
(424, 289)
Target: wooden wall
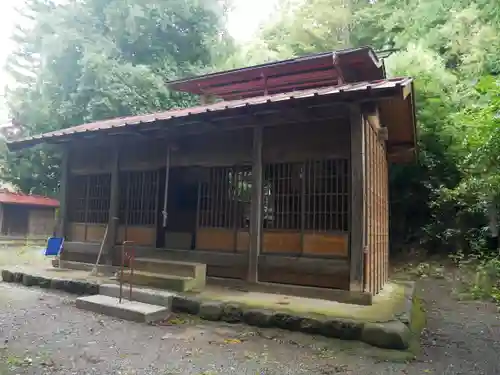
(85, 232)
(42, 221)
(376, 266)
(306, 141)
(288, 143)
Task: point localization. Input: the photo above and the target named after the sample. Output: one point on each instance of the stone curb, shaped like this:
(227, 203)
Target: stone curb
(394, 334)
(405, 315)
(69, 286)
(388, 335)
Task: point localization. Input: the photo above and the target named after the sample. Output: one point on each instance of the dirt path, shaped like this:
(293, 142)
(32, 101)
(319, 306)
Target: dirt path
(461, 337)
(43, 333)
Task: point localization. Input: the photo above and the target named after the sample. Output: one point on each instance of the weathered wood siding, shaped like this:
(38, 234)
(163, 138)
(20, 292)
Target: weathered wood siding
(224, 162)
(377, 208)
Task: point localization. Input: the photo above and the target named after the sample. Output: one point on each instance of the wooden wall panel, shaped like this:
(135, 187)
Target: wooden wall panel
(283, 275)
(95, 232)
(141, 235)
(221, 148)
(281, 242)
(377, 211)
(100, 160)
(81, 232)
(178, 240)
(326, 244)
(243, 238)
(218, 239)
(305, 141)
(42, 221)
(76, 232)
(224, 148)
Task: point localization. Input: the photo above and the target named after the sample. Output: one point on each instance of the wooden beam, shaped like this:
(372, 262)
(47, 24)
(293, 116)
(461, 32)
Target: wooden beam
(62, 218)
(114, 207)
(358, 212)
(256, 207)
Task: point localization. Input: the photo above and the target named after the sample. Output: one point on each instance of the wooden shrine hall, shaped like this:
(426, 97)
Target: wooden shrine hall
(280, 176)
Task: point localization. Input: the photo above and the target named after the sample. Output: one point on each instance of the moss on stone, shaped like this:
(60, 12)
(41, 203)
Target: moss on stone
(385, 306)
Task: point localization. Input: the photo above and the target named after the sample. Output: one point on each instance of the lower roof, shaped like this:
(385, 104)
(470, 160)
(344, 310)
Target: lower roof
(7, 197)
(395, 98)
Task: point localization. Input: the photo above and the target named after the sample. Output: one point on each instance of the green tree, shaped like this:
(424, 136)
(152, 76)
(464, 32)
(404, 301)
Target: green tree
(87, 60)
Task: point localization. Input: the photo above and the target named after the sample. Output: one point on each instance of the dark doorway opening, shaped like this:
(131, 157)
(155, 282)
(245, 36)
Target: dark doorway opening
(15, 220)
(182, 208)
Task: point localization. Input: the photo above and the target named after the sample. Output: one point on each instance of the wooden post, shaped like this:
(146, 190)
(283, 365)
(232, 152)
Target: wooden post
(358, 211)
(114, 208)
(256, 207)
(63, 194)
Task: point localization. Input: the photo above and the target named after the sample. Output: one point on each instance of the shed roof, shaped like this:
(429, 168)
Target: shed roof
(395, 96)
(8, 197)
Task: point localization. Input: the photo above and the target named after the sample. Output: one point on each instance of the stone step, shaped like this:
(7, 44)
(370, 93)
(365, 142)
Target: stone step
(70, 265)
(161, 281)
(145, 295)
(170, 267)
(127, 310)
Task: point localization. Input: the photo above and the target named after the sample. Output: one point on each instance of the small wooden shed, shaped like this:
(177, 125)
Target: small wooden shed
(24, 215)
(279, 176)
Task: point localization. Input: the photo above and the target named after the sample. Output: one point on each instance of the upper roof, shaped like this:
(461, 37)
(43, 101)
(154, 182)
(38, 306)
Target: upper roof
(24, 199)
(312, 71)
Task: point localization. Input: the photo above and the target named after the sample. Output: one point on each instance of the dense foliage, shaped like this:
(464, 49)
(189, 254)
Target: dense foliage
(87, 60)
(91, 59)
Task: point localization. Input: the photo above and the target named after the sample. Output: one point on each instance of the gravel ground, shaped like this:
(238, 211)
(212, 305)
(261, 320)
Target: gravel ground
(43, 333)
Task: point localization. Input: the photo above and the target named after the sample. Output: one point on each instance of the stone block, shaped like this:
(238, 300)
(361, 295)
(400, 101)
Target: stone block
(342, 329)
(181, 304)
(286, 321)
(258, 318)
(211, 310)
(390, 335)
(7, 276)
(232, 313)
(30, 280)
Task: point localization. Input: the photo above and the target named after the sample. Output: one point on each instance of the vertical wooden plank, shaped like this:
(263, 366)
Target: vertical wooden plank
(303, 206)
(114, 208)
(256, 207)
(1, 219)
(358, 214)
(62, 217)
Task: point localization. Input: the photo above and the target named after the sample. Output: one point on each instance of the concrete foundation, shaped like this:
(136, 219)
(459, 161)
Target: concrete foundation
(127, 310)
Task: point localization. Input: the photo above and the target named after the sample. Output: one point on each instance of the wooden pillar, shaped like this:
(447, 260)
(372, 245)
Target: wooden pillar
(1, 217)
(114, 208)
(256, 207)
(358, 211)
(62, 217)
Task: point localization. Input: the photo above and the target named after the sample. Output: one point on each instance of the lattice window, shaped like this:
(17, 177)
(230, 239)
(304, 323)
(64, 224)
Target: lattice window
(310, 196)
(326, 195)
(89, 198)
(225, 198)
(282, 196)
(138, 197)
(77, 191)
(99, 193)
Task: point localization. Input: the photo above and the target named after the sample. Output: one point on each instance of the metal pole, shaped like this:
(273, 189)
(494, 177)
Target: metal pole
(131, 265)
(121, 272)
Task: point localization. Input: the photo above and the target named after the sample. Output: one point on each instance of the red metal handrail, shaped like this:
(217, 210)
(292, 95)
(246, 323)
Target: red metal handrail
(131, 258)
